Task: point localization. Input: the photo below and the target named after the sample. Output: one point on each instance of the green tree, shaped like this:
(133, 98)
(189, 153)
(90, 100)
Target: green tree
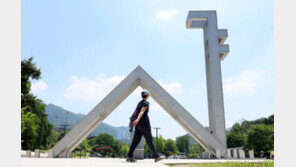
(237, 128)
(160, 145)
(124, 150)
(29, 71)
(54, 138)
(236, 139)
(146, 149)
(29, 129)
(105, 140)
(261, 138)
(270, 120)
(78, 148)
(62, 134)
(116, 147)
(34, 106)
(85, 146)
(196, 149)
(183, 143)
(170, 146)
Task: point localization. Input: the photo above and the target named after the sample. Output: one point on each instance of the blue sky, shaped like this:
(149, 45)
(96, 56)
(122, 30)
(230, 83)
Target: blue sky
(85, 48)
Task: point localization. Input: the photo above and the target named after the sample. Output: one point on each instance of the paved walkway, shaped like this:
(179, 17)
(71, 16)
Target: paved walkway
(111, 162)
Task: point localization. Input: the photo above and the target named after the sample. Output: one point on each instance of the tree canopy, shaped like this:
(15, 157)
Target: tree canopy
(261, 138)
(183, 143)
(170, 146)
(257, 135)
(33, 110)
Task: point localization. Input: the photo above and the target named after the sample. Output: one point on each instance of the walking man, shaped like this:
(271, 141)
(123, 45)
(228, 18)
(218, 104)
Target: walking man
(142, 127)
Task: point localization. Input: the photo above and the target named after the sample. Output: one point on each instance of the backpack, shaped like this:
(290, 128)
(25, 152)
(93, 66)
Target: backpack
(133, 118)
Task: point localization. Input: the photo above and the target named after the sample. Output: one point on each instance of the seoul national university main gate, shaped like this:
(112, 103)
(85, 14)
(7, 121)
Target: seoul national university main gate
(213, 141)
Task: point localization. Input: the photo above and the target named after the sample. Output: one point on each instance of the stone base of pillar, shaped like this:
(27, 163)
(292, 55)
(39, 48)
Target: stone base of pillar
(69, 155)
(229, 153)
(241, 154)
(206, 155)
(251, 154)
(138, 154)
(234, 153)
(200, 156)
(28, 153)
(218, 154)
(37, 153)
(50, 153)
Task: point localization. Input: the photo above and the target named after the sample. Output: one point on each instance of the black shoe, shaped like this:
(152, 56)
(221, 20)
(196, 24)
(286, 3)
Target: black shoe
(128, 159)
(159, 159)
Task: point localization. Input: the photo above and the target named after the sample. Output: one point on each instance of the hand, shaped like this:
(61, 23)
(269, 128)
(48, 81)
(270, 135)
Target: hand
(135, 122)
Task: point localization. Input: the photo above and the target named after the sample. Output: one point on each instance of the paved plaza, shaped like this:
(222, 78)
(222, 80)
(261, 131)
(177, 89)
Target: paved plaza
(114, 162)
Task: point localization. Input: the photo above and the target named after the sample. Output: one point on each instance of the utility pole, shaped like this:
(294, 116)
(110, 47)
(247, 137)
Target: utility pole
(65, 125)
(156, 128)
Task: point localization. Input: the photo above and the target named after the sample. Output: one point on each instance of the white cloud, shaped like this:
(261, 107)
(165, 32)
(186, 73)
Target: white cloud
(246, 81)
(38, 87)
(173, 88)
(87, 89)
(166, 15)
(98, 88)
(156, 107)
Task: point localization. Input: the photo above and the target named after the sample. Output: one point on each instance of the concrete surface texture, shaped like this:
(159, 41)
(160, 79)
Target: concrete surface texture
(215, 50)
(138, 77)
(112, 162)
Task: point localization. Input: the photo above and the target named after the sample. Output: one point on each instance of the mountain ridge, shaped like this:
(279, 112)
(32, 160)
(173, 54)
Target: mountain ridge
(57, 116)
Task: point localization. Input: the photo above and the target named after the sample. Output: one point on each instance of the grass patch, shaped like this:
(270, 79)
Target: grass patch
(44, 151)
(226, 164)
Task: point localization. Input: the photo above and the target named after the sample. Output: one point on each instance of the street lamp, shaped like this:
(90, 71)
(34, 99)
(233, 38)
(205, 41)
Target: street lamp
(156, 128)
(40, 134)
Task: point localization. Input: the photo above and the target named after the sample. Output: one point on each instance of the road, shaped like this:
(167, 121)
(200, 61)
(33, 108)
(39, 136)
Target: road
(113, 162)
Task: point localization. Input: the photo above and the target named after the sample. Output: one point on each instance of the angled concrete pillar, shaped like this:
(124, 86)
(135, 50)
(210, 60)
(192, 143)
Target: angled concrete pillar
(215, 50)
(138, 77)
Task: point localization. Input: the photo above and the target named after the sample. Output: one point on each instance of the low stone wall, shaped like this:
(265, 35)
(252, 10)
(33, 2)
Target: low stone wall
(28, 154)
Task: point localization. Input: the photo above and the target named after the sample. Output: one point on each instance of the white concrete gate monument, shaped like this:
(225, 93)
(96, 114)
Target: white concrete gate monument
(214, 142)
(215, 50)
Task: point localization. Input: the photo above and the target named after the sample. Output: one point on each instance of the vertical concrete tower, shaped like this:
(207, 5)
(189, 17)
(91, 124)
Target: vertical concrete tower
(215, 51)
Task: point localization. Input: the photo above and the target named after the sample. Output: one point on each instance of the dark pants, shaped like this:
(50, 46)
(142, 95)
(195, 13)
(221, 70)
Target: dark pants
(139, 131)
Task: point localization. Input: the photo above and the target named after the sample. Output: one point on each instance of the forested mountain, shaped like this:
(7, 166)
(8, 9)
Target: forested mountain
(57, 117)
